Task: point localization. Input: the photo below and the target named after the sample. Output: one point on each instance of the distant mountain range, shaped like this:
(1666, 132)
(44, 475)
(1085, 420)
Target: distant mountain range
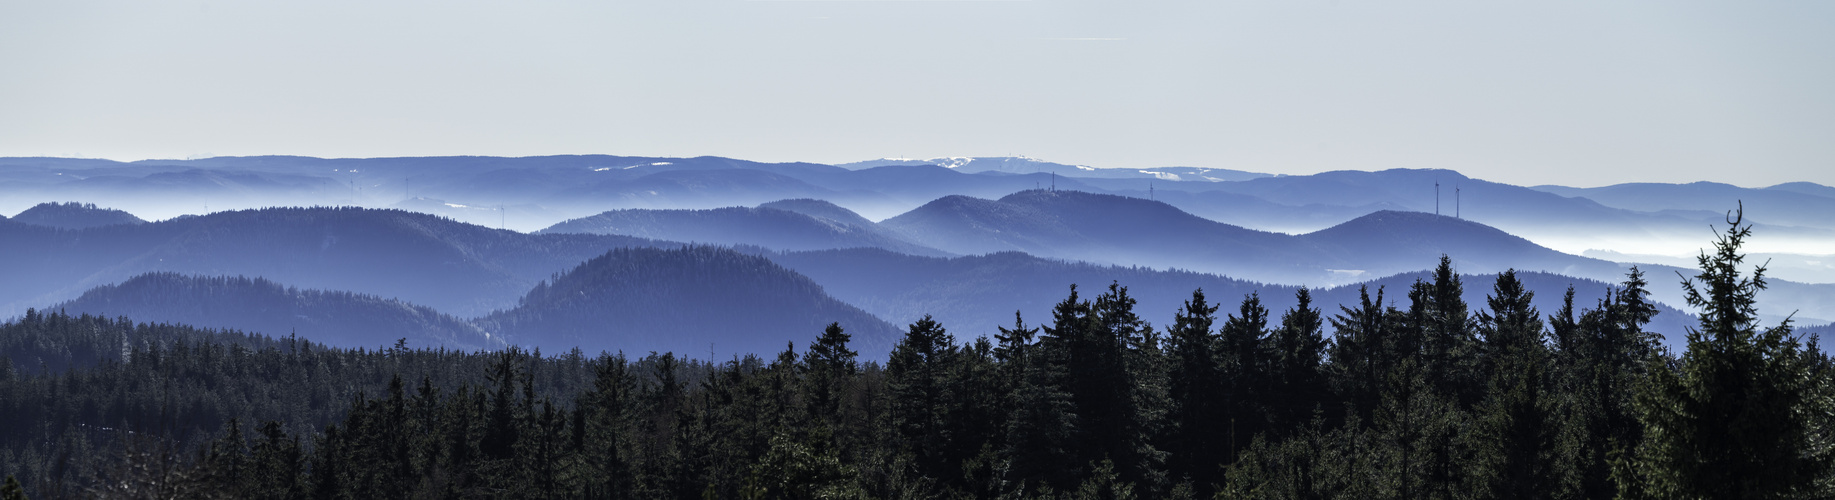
(1122, 230)
(454, 267)
(1023, 165)
(684, 300)
(537, 192)
(1795, 204)
(970, 240)
(786, 225)
(1108, 229)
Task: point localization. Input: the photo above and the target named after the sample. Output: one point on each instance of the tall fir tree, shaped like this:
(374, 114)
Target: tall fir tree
(1732, 418)
(1298, 356)
(1196, 444)
(918, 376)
(1243, 356)
(831, 368)
(1517, 436)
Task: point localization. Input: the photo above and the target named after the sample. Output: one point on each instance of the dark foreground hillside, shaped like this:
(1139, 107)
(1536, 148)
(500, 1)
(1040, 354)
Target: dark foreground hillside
(1416, 393)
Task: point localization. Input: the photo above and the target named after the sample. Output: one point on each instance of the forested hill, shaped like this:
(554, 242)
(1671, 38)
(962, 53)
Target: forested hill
(257, 305)
(1388, 242)
(1134, 231)
(820, 209)
(75, 216)
(1103, 228)
(455, 267)
(638, 300)
(765, 226)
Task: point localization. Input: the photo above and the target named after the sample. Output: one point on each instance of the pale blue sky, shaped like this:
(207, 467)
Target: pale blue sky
(1529, 92)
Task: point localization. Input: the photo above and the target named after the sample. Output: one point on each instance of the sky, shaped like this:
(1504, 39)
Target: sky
(1580, 93)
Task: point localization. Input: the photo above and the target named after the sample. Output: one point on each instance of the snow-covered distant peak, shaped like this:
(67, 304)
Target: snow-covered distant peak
(654, 164)
(1165, 176)
(1023, 165)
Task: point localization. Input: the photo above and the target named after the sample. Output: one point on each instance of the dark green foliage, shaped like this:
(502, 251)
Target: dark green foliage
(12, 490)
(918, 377)
(1736, 415)
(1516, 433)
(1196, 444)
(1297, 360)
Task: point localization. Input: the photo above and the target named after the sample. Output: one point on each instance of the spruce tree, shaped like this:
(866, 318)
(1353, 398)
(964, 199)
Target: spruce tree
(1243, 354)
(1042, 420)
(1361, 353)
(1120, 389)
(1194, 440)
(1732, 418)
(917, 373)
(831, 365)
(1448, 339)
(1517, 431)
(12, 490)
(1298, 354)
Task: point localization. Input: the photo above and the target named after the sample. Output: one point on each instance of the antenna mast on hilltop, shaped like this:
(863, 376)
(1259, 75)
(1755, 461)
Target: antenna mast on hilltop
(1456, 202)
(1436, 197)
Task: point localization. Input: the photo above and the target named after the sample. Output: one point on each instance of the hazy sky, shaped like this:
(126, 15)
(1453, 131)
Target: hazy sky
(1529, 92)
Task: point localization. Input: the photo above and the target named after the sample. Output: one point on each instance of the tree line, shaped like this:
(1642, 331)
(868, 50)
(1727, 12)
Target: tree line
(1415, 395)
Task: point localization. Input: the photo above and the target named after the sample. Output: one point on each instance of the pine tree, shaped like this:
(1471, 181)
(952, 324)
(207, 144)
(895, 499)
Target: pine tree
(1448, 339)
(1244, 357)
(1517, 437)
(1041, 419)
(1361, 353)
(1115, 373)
(831, 365)
(12, 490)
(917, 374)
(275, 465)
(1729, 420)
(1198, 446)
(1298, 354)
(500, 428)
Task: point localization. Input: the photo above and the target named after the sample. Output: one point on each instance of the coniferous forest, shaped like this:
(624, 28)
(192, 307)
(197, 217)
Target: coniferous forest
(1406, 394)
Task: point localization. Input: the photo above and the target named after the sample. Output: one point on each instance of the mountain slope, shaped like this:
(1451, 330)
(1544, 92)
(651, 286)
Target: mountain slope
(820, 209)
(454, 267)
(1791, 206)
(75, 216)
(1100, 228)
(762, 226)
(340, 319)
(1389, 242)
(682, 300)
(1132, 231)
